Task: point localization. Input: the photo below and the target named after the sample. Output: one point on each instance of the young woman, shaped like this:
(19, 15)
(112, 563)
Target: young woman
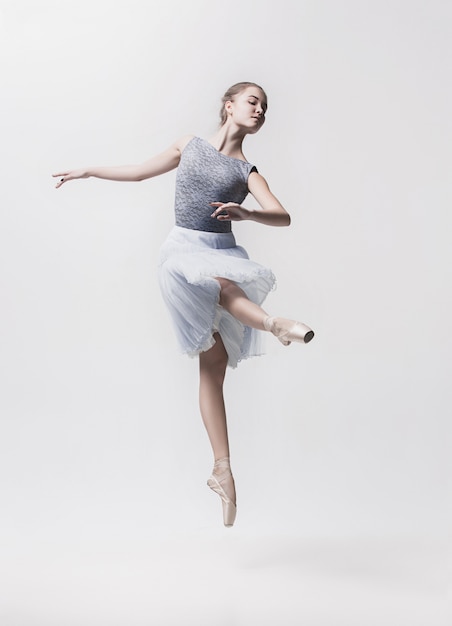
(213, 290)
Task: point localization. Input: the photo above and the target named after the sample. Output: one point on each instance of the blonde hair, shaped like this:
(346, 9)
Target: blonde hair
(234, 91)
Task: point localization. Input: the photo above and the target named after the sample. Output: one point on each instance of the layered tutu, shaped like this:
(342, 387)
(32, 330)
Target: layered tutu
(189, 261)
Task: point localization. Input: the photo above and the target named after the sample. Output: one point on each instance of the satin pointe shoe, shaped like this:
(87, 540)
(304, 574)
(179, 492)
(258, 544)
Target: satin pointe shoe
(219, 481)
(288, 330)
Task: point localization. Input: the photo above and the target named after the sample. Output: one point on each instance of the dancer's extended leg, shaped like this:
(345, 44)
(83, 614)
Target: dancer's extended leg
(236, 302)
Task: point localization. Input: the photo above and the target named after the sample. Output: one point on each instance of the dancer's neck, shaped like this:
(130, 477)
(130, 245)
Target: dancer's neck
(228, 140)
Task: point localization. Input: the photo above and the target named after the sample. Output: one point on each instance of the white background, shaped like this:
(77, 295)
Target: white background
(338, 447)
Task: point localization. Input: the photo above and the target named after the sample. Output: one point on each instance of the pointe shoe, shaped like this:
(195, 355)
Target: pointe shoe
(297, 332)
(215, 482)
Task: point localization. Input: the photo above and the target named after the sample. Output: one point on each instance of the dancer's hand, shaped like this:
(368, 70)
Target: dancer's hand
(65, 176)
(230, 211)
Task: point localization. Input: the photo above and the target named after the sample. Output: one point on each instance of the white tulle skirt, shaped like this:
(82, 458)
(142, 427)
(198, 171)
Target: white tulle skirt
(189, 261)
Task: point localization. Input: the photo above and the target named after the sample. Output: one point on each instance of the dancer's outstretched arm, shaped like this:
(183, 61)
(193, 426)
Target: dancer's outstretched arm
(160, 164)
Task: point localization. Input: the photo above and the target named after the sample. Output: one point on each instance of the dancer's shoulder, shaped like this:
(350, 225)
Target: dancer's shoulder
(182, 142)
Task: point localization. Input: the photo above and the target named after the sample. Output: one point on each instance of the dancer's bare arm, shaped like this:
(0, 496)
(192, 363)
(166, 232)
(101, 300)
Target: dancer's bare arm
(273, 213)
(160, 164)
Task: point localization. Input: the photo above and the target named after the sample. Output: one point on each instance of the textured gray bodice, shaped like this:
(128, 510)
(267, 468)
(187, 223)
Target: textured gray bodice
(205, 175)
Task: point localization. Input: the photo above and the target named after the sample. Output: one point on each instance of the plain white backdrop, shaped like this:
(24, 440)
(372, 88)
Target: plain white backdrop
(339, 447)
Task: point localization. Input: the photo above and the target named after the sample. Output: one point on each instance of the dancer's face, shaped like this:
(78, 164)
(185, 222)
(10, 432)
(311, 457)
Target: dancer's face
(248, 109)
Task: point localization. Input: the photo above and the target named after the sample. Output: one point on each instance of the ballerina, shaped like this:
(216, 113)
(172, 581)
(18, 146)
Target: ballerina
(213, 291)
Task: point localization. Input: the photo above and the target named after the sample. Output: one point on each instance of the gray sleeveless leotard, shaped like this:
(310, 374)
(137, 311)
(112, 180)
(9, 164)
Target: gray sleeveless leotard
(201, 248)
(206, 175)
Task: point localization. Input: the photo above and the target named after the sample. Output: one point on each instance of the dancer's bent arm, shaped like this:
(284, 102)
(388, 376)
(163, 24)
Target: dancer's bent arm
(160, 164)
(273, 213)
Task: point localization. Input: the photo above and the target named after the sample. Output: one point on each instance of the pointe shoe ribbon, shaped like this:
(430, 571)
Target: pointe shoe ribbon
(287, 330)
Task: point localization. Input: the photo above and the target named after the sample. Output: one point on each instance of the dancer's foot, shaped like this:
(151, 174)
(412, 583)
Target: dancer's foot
(222, 483)
(288, 330)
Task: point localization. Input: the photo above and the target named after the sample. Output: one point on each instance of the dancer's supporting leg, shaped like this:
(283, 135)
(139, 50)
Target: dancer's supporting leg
(212, 368)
